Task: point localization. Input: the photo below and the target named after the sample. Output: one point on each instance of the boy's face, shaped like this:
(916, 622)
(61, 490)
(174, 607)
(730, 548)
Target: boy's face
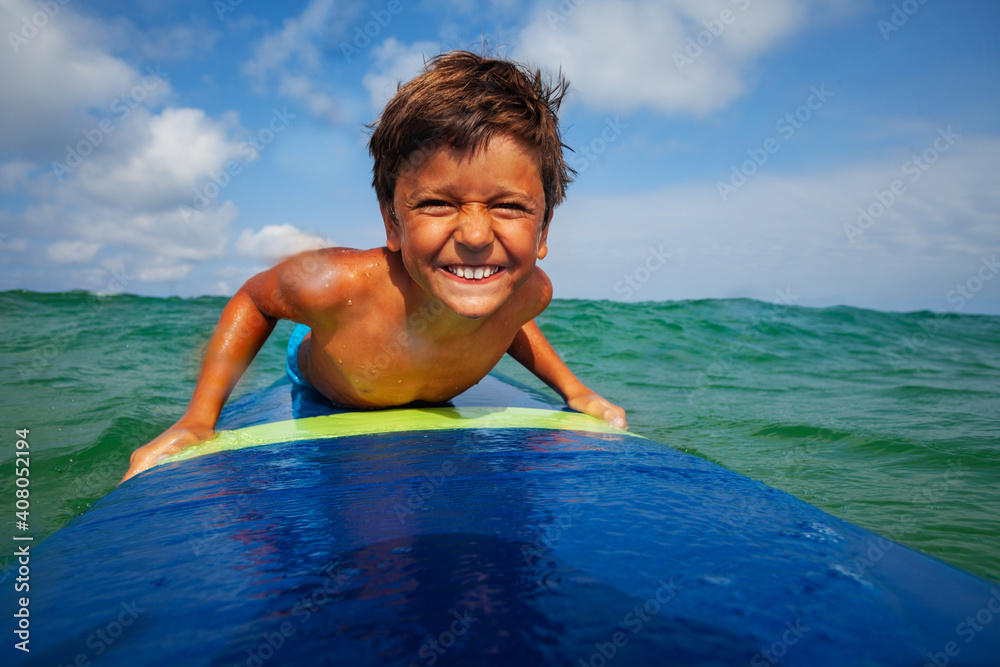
(470, 226)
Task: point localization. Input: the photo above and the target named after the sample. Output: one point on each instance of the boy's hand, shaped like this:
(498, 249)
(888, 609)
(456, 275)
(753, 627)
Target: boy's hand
(534, 353)
(171, 441)
(242, 330)
(596, 405)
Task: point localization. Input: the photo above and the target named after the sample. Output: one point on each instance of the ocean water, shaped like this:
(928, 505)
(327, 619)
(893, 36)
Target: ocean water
(891, 421)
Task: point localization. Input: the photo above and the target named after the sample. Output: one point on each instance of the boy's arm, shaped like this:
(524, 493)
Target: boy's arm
(242, 330)
(534, 352)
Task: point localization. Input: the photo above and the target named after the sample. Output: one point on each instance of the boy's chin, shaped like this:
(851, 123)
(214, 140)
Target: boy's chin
(472, 302)
(473, 307)
(472, 311)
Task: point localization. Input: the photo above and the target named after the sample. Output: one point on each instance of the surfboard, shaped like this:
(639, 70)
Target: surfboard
(496, 529)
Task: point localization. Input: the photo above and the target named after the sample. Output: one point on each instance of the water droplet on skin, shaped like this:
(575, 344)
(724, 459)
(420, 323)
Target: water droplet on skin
(349, 302)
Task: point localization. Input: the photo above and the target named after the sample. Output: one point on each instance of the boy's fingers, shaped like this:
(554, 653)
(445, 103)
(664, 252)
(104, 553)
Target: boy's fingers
(168, 443)
(135, 469)
(615, 416)
(617, 420)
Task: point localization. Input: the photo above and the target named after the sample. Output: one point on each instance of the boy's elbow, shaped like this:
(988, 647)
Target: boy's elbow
(252, 295)
(274, 292)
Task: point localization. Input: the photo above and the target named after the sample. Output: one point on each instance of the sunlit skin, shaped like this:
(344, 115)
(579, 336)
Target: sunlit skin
(396, 325)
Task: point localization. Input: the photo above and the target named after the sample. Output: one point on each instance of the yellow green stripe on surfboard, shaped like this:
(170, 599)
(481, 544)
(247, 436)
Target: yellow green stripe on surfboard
(394, 421)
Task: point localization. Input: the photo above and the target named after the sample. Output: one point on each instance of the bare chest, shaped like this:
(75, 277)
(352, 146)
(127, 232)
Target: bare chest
(366, 368)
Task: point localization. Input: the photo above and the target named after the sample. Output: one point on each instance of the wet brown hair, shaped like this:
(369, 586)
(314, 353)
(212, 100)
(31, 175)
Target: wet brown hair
(465, 100)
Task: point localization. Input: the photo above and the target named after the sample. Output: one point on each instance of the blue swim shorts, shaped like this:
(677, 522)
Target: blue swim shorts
(292, 355)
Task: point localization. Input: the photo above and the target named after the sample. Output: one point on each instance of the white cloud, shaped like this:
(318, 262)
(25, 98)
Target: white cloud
(163, 272)
(11, 244)
(53, 80)
(395, 63)
(157, 162)
(788, 231)
(293, 43)
(15, 175)
(237, 274)
(277, 241)
(479, 8)
(631, 53)
(164, 44)
(124, 174)
(72, 252)
(136, 198)
(134, 194)
(293, 57)
(310, 95)
(174, 235)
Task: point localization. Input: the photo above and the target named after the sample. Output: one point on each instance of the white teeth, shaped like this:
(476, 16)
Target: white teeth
(470, 273)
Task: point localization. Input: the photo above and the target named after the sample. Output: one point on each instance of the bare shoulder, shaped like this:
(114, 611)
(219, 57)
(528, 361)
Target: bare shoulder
(314, 284)
(535, 295)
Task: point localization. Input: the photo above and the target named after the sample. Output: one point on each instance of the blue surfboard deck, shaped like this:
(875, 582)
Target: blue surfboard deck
(485, 545)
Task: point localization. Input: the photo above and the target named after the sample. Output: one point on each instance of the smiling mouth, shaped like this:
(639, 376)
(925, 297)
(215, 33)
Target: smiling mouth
(473, 272)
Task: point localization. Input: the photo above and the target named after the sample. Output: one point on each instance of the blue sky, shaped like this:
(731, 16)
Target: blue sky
(817, 153)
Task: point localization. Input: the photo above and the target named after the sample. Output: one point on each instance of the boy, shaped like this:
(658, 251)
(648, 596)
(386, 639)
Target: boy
(468, 169)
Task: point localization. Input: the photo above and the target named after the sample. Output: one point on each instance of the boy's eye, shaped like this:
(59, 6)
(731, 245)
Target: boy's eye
(512, 207)
(432, 203)
(440, 206)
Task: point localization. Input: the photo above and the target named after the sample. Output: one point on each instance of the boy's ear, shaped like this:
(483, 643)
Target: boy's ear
(543, 248)
(391, 230)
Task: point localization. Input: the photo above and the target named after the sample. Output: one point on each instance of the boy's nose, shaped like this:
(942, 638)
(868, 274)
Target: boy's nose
(475, 229)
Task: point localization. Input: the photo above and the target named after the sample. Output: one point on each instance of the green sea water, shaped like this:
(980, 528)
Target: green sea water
(891, 421)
